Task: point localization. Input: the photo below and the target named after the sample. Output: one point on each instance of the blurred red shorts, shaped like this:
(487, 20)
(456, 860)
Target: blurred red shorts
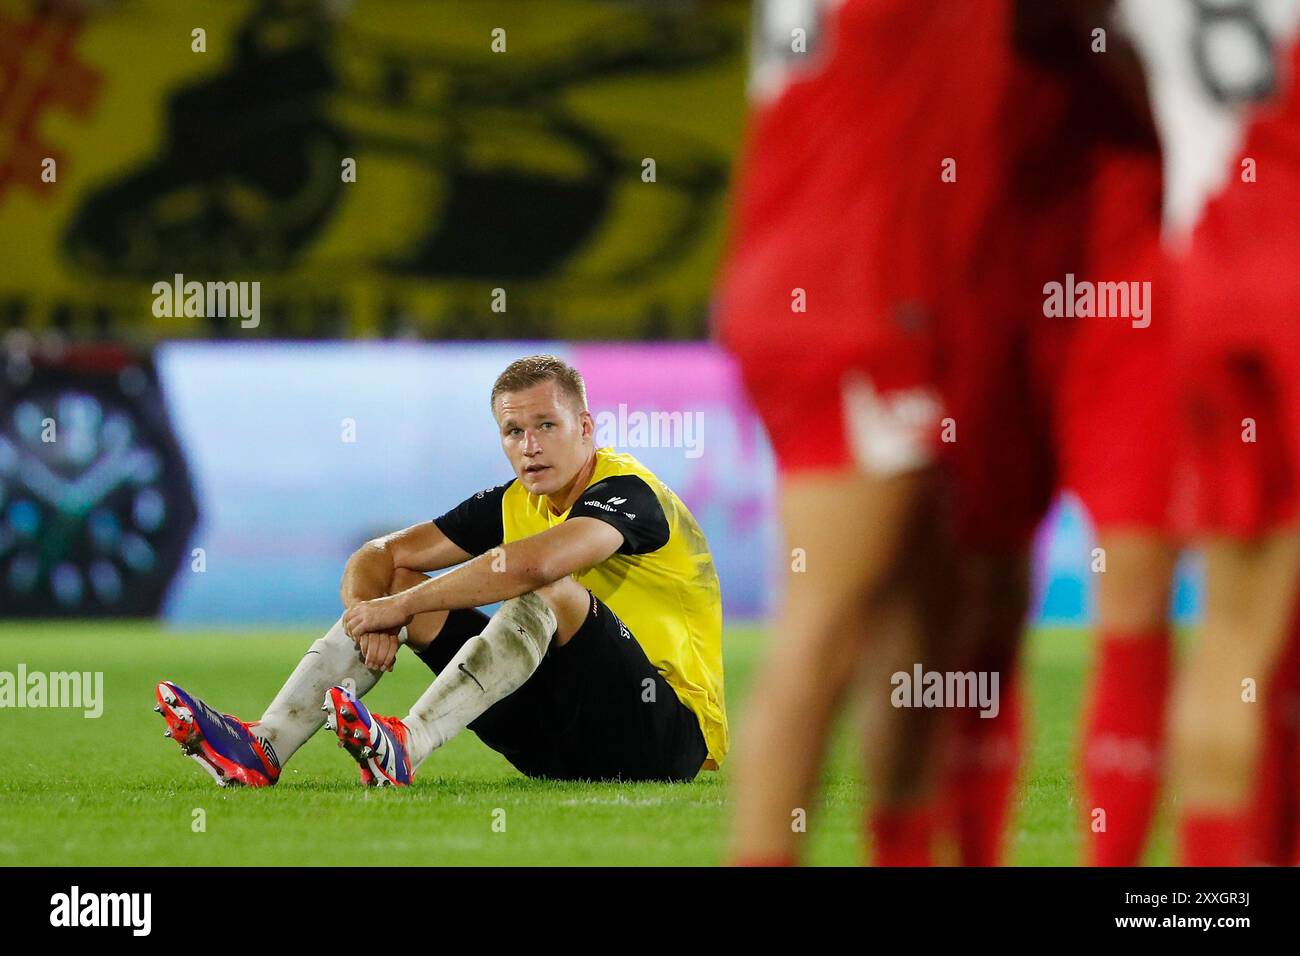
(848, 238)
(1237, 353)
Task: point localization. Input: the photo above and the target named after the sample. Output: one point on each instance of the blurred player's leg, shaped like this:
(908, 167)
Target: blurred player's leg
(1242, 431)
(830, 300)
(1236, 341)
(1119, 428)
(903, 743)
(1000, 403)
(1275, 815)
(986, 752)
(901, 820)
(1000, 499)
(1126, 709)
(849, 528)
(1250, 590)
(1243, 421)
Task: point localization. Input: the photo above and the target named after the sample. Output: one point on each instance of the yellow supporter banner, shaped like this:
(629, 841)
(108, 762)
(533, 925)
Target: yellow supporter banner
(532, 168)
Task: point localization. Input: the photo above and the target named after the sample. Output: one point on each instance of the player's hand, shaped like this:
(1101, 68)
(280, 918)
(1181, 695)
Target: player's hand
(381, 614)
(378, 649)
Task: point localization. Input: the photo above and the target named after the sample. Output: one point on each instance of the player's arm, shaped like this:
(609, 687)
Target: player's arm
(472, 527)
(422, 547)
(505, 572)
(370, 573)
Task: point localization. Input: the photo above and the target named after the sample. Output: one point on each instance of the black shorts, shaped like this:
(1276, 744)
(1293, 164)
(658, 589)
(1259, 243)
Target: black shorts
(595, 709)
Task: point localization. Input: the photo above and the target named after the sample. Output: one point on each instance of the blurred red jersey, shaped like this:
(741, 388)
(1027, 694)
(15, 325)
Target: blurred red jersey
(870, 164)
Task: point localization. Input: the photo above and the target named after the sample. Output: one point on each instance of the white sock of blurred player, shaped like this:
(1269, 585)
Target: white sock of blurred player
(486, 669)
(295, 714)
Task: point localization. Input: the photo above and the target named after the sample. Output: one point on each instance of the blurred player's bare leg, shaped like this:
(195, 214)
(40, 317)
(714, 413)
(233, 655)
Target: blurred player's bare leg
(1133, 592)
(901, 753)
(1249, 600)
(903, 756)
(985, 752)
(1275, 811)
(849, 530)
(1126, 710)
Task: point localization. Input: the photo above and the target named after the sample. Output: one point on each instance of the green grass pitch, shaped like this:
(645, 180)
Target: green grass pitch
(112, 791)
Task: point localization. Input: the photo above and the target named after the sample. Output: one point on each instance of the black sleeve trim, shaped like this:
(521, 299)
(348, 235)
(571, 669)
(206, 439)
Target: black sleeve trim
(476, 524)
(629, 504)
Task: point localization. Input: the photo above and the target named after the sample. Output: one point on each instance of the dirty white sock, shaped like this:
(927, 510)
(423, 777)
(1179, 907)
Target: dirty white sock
(295, 713)
(486, 669)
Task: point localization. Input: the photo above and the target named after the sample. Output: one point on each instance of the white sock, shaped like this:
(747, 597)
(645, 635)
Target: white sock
(486, 669)
(295, 713)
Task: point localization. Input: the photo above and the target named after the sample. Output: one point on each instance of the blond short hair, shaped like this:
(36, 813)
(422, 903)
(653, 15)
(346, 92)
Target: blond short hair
(536, 369)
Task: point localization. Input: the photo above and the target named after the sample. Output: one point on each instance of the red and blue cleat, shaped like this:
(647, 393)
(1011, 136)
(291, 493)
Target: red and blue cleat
(377, 744)
(223, 745)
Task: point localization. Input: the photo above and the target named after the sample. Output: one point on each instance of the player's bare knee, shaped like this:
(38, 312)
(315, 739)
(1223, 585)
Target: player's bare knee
(563, 593)
(569, 601)
(1133, 606)
(1203, 739)
(1120, 623)
(1133, 593)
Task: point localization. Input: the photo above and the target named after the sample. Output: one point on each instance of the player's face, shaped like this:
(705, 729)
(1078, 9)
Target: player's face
(546, 439)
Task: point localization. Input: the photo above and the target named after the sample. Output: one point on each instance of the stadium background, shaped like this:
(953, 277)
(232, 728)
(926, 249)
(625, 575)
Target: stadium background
(234, 494)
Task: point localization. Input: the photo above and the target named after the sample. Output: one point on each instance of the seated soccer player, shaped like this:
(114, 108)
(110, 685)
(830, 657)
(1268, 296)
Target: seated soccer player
(603, 662)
